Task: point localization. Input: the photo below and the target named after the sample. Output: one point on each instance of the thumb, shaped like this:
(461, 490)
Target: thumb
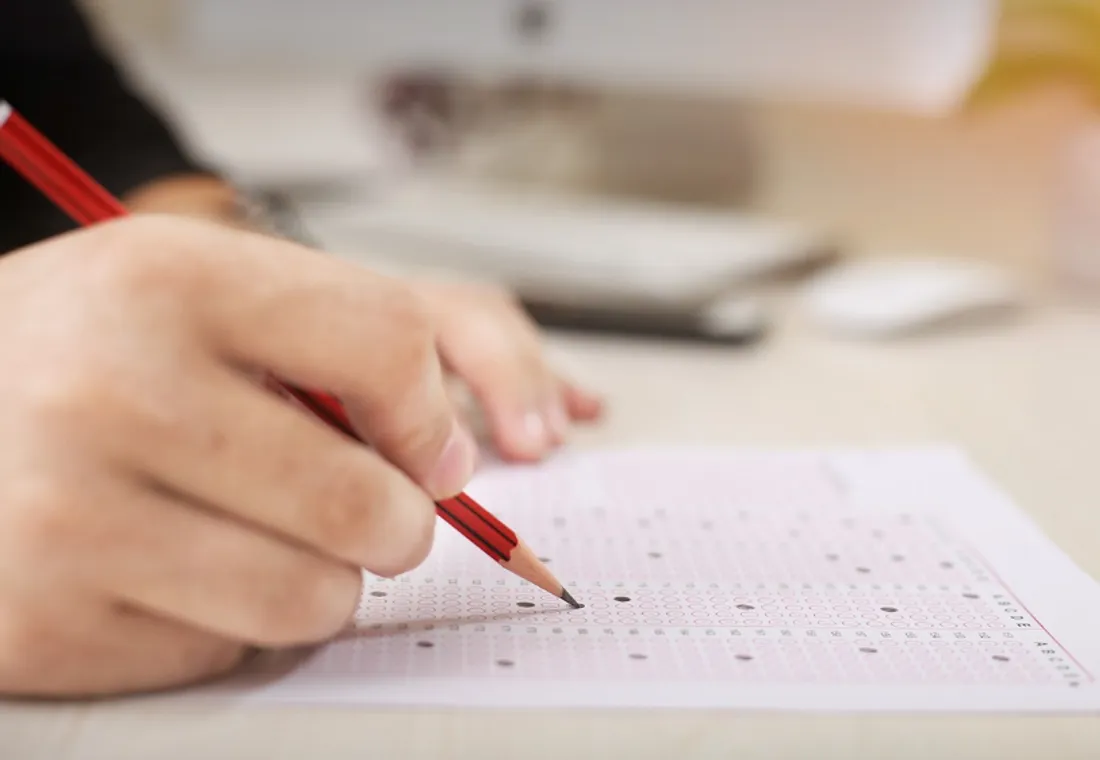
(446, 472)
(431, 445)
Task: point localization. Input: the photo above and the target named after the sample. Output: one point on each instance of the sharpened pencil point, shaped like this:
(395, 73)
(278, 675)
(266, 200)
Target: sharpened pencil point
(566, 596)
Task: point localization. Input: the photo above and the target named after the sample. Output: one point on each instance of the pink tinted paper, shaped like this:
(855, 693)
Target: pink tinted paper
(831, 580)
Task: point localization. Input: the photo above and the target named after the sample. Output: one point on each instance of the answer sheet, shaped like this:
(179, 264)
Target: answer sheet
(810, 580)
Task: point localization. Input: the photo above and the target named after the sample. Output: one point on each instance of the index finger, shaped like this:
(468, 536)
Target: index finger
(321, 322)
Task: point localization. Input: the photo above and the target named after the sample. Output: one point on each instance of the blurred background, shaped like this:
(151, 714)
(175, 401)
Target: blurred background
(646, 152)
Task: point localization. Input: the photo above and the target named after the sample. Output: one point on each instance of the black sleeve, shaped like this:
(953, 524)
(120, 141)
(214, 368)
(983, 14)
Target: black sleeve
(53, 72)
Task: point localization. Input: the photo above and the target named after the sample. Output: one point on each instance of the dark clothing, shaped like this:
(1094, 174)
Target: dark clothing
(53, 72)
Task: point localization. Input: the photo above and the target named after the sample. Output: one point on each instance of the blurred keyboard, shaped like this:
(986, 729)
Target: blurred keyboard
(573, 248)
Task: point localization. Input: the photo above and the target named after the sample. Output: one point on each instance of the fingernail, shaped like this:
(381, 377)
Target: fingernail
(556, 421)
(534, 430)
(455, 466)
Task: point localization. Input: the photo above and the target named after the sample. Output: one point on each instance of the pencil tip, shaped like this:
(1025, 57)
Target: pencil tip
(567, 597)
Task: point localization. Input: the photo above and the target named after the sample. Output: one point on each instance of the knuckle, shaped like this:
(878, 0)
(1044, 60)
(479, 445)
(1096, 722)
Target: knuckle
(136, 256)
(420, 438)
(42, 518)
(199, 655)
(217, 658)
(65, 398)
(374, 517)
(406, 304)
(343, 511)
(24, 652)
(312, 602)
(86, 406)
(148, 257)
(410, 352)
(406, 402)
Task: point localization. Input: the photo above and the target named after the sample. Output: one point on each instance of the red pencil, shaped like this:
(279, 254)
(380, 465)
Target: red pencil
(42, 164)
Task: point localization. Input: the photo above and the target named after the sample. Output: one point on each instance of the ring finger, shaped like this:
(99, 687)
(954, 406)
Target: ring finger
(180, 561)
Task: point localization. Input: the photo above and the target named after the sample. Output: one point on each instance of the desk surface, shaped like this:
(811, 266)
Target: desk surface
(1022, 399)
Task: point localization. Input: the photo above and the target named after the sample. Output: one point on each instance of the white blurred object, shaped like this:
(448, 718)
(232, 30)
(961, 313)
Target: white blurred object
(917, 55)
(878, 298)
(1077, 211)
(734, 314)
(572, 248)
(279, 131)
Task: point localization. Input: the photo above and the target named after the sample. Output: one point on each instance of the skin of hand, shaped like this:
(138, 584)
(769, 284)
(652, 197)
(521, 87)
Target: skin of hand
(488, 341)
(483, 336)
(194, 195)
(161, 511)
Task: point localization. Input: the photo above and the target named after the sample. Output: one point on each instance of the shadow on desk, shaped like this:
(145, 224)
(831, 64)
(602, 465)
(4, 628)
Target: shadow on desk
(269, 666)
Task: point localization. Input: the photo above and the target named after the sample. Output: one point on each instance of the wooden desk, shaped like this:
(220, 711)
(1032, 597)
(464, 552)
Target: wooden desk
(1022, 399)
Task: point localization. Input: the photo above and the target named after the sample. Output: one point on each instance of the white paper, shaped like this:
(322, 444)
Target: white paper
(810, 580)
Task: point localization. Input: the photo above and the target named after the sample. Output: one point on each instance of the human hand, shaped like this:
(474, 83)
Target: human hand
(488, 341)
(161, 512)
(484, 337)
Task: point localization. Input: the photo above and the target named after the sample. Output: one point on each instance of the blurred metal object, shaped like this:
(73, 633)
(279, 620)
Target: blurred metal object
(276, 213)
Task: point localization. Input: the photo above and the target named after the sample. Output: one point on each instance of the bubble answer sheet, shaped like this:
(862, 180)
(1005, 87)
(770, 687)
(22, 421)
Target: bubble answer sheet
(812, 580)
